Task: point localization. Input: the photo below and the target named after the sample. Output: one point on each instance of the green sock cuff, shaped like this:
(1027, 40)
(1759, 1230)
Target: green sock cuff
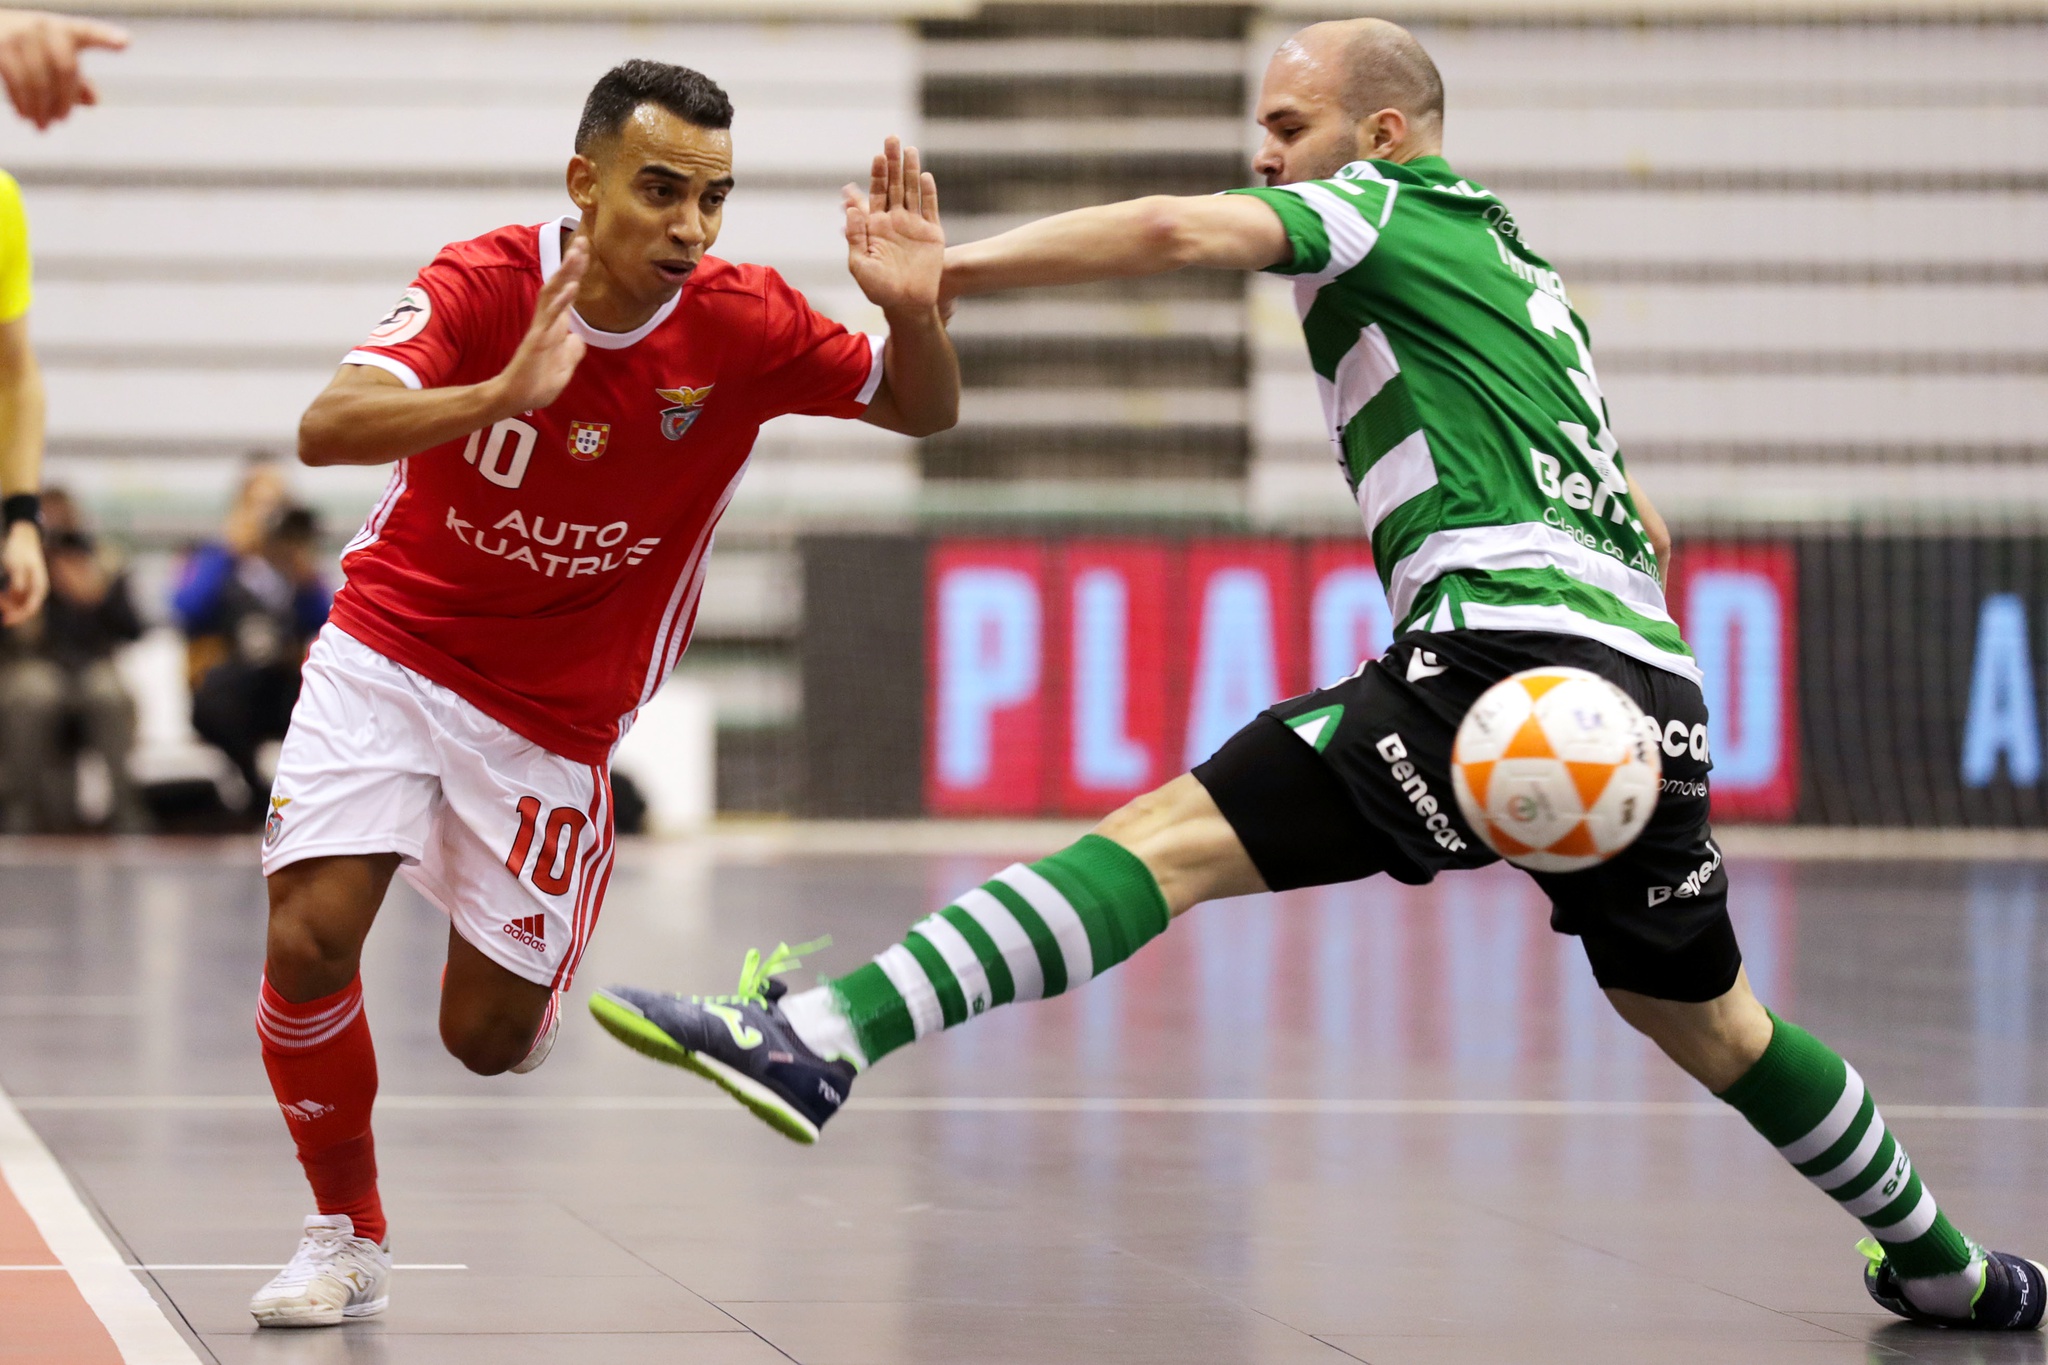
(1941, 1250)
(1792, 1086)
(1113, 892)
(875, 1008)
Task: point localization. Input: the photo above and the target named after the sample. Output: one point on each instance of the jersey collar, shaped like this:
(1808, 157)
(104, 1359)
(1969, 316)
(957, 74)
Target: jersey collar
(551, 261)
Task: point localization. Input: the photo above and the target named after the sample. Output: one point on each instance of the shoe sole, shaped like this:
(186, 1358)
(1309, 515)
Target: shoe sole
(640, 1033)
(324, 1317)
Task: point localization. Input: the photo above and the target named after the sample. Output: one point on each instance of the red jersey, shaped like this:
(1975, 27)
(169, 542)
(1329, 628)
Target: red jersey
(547, 569)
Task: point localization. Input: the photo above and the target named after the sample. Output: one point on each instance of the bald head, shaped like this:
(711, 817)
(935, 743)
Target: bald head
(1347, 90)
(1381, 66)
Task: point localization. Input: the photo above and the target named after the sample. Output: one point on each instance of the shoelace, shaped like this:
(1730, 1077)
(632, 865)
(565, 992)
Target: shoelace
(757, 971)
(316, 1251)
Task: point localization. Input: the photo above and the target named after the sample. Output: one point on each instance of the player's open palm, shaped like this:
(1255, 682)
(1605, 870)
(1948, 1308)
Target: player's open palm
(894, 244)
(550, 351)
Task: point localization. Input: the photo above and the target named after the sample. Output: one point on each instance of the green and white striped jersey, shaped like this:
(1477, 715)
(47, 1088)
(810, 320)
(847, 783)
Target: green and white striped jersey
(1462, 400)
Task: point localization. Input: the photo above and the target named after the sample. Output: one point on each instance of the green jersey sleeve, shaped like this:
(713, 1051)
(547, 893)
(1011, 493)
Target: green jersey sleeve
(1330, 223)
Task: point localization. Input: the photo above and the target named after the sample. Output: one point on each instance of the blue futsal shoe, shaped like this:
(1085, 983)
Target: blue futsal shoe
(741, 1042)
(2010, 1299)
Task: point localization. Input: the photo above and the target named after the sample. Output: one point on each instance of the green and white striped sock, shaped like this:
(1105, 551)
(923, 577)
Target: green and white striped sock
(1813, 1107)
(1029, 933)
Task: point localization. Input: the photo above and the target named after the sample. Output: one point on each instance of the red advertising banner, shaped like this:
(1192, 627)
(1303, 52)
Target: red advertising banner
(1738, 607)
(1067, 676)
(986, 712)
(1117, 680)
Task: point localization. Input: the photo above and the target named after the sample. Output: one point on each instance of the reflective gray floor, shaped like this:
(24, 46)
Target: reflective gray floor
(1453, 1152)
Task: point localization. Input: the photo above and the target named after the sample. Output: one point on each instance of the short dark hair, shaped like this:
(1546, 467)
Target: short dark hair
(690, 95)
(296, 526)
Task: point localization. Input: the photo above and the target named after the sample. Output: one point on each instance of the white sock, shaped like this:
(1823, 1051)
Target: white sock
(1949, 1296)
(818, 1020)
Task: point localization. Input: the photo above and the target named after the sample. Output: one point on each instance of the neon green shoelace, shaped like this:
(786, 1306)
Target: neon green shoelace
(757, 971)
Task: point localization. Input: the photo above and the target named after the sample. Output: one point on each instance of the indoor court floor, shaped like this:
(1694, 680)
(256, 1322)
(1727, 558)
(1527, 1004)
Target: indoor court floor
(1374, 1123)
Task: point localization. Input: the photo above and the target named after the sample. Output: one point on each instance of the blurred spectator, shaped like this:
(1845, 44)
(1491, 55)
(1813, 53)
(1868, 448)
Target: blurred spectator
(250, 616)
(59, 690)
(260, 498)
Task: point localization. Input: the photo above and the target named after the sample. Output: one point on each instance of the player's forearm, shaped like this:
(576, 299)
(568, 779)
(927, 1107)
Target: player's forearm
(1119, 241)
(381, 423)
(1107, 242)
(1654, 528)
(922, 371)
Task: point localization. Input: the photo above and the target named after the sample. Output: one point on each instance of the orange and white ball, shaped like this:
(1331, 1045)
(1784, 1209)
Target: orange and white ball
(1555, 769)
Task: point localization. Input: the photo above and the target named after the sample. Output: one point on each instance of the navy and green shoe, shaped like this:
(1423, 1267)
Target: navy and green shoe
(740, 1042)
(2010, 1299)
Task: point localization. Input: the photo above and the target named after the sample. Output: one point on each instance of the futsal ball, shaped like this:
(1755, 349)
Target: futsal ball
(1555, 769)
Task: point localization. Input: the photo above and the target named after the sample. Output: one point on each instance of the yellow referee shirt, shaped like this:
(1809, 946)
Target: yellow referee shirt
(14, 264)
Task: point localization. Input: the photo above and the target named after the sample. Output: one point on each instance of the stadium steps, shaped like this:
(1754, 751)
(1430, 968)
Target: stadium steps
(1100, 397)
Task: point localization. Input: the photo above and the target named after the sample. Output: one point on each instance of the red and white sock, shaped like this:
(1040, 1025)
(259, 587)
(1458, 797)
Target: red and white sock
(323, 1070)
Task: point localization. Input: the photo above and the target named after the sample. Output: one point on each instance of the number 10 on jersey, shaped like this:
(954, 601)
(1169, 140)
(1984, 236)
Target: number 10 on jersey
(554, 866)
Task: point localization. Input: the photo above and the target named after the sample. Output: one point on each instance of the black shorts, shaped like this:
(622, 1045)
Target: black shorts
(1654, 918)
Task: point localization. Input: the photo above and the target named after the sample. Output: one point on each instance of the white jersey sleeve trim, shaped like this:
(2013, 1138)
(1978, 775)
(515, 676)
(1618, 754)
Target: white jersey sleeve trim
(387, 364)
(874, 381)
(1351, 237)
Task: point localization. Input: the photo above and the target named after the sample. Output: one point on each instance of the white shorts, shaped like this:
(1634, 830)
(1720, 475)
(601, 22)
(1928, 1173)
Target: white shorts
(512, 842)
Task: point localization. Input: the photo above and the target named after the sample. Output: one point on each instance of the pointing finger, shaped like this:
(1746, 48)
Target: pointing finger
(92, 33)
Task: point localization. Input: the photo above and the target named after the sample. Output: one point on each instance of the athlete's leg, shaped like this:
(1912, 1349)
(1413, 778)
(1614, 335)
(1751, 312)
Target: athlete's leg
(1655, 925)
(1264, 813)
(490, 1018)
(1813, 1107)
(316, 1042)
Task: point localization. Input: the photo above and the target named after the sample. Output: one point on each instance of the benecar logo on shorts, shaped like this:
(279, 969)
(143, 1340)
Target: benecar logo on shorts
(1694, 883)
(1417, 791)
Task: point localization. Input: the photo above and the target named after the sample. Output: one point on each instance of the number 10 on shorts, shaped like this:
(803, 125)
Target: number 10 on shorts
(554, 865)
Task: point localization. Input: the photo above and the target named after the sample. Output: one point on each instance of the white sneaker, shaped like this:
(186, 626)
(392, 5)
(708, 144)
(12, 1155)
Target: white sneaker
(333, 1275)
(550, 1025)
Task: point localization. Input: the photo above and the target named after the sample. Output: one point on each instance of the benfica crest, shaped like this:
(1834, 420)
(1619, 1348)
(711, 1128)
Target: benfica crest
(689, 404)
(587, 439)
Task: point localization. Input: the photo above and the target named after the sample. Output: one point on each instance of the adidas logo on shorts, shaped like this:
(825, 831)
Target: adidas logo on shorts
(532, 931)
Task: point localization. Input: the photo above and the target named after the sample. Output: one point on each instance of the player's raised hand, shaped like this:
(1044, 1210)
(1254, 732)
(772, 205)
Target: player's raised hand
(894, 244)
(550, 351)
(39, 61)
(24, 578)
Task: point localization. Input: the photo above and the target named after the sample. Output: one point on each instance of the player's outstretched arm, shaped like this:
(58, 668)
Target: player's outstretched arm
(39, 61)
(1115, 241)
(896, 252)
(368, 416)
(1654, 529)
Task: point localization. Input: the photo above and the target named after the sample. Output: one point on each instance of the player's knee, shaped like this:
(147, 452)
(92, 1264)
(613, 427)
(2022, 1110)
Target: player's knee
(1716, 1041)
(488, 1042)
(320, 911)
